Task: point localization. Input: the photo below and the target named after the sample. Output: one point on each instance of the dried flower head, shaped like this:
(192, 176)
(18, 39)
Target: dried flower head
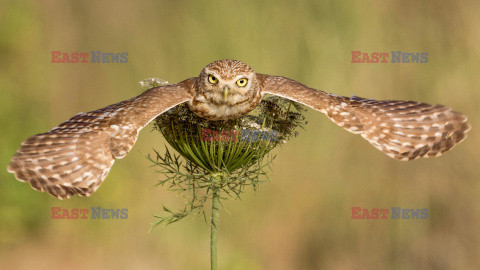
(152, 82)
(225, 155)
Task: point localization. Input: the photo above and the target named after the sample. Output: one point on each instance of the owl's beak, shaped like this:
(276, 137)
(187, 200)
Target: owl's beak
(226, 90)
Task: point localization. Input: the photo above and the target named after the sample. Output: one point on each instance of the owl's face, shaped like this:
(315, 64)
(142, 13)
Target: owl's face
(226, 89)
(227, 82)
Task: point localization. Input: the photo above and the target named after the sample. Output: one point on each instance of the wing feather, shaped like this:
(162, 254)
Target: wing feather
(403, 130)
(76, 156)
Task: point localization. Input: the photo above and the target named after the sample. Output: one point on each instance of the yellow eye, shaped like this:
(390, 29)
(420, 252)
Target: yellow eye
(212, 79)
(242, 82)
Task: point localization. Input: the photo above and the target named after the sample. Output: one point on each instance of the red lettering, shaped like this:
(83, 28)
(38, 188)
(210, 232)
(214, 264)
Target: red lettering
(84, 213)
(384, 57)
(384, 213)
(365, 58)
(356, 57)
(65, 58)
(74, 57)
(215, 136)
(356, 213)
(74, 213)
(56, 213)
(84, 57)
(56, 57)
(234, 135)
(207, 135)
(365, 214)
(65, 214)
(225, 136)
(375, 57)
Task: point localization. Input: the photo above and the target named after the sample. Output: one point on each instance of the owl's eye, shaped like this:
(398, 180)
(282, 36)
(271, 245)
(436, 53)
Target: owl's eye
(212, 79)
(242, 82)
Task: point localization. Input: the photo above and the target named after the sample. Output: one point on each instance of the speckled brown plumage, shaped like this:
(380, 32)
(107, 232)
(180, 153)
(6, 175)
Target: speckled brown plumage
(76, 156)
(403, 130)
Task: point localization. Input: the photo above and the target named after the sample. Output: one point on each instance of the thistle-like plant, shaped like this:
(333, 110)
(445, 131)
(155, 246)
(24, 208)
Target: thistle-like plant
(218, 160)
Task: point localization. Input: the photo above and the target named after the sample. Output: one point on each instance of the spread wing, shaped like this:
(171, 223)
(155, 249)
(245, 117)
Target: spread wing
(403, 130)
(76, 156)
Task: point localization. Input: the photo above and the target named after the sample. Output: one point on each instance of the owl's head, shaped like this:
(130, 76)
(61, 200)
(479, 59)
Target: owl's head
(228, 82)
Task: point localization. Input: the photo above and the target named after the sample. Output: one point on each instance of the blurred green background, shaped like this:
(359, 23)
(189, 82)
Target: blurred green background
(302, 218)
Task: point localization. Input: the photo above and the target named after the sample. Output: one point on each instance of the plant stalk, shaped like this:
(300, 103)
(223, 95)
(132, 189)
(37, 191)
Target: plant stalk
(214, 226)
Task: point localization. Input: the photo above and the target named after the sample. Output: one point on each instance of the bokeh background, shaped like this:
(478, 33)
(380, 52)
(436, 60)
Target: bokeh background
(301, 219)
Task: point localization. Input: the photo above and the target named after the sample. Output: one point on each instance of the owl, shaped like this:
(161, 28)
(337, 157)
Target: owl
(76, 156)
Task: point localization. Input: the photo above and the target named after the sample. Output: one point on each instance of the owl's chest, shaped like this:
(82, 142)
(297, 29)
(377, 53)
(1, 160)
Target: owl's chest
(222, 111)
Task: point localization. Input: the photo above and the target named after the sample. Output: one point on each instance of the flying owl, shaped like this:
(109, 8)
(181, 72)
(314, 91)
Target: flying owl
(76, 156)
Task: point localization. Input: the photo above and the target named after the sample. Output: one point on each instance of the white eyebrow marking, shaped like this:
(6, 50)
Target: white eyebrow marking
(240, 77)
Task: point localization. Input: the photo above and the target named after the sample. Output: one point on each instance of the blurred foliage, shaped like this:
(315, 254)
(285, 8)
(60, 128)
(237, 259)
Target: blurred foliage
(300, 221)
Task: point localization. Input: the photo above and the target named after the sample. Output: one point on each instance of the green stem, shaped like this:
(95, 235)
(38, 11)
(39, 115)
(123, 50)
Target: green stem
(214, 226)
